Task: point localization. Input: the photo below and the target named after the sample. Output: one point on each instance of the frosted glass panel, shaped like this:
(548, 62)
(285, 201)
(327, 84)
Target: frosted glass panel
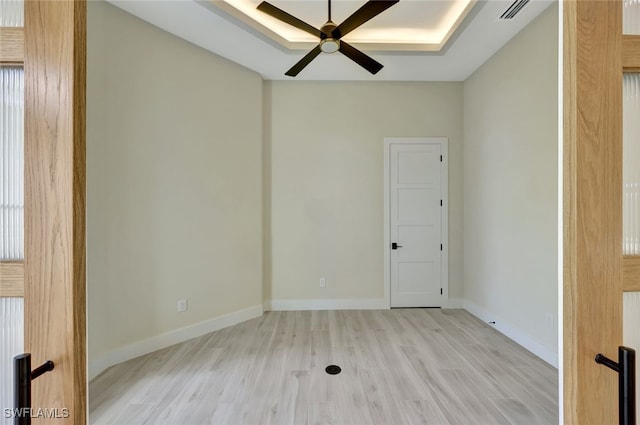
(631, 17)
(11, 13)
(11, 164)
(631, 165)
(631, 331)
(11, 335)
(11, 222)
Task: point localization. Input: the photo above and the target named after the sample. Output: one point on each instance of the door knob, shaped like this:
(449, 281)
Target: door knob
(394, 245)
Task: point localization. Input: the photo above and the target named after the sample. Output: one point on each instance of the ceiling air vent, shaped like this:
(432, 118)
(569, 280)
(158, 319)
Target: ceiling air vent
(513, 10)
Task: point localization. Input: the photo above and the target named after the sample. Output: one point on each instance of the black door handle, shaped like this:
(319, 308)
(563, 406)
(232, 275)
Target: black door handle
(23, 376)
(626, 368)
(394, 245)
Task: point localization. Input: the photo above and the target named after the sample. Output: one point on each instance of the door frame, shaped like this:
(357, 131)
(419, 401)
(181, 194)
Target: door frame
(444, 223)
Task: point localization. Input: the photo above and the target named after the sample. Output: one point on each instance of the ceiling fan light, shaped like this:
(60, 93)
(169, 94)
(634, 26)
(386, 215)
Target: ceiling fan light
(329, 45)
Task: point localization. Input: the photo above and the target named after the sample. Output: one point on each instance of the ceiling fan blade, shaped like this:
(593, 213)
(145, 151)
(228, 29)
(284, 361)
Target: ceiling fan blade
(280, 14)
(360, 58)
(295, 69)
(369, 10)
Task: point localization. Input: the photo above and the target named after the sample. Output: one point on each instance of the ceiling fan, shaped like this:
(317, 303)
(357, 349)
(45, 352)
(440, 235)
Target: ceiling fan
(330, 34)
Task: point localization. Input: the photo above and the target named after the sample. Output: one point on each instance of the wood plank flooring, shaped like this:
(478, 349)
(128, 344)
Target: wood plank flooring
(401, 366)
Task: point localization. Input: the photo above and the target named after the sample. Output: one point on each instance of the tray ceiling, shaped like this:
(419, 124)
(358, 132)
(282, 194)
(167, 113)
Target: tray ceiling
(221, 28)
(407, 26)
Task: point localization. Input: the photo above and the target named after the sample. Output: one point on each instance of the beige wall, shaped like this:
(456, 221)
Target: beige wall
(174, 204)
(510, 183)
(326, 181)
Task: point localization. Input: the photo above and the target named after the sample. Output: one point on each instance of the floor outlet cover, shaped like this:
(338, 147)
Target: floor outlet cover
(333, 369)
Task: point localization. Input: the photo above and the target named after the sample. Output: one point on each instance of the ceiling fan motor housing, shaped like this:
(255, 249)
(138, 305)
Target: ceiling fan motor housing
(327, 29)
(328, 44)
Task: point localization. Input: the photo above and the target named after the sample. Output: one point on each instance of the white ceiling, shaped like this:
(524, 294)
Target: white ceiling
(206, 25)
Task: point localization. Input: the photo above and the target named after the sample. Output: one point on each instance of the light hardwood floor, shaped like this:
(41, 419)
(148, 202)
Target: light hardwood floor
(407, 366)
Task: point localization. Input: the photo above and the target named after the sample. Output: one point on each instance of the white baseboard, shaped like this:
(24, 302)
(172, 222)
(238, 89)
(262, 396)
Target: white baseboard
(128, 352)
(343, 304)
(335, 304)
(513, 333)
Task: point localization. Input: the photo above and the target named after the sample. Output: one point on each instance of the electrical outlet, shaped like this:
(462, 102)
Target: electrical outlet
(182, 306)
(323, 282)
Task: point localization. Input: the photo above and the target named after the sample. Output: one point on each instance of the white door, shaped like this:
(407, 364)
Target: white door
(415, 224)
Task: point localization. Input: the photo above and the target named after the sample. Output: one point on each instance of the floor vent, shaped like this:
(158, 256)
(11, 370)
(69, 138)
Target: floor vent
(513, 10)
(333, 369)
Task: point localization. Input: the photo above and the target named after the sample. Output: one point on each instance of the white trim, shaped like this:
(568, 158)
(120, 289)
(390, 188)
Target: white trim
(387, 223)
(560, 212)
(444, 190)
(149, 345)
(335, 304)
(513, 333)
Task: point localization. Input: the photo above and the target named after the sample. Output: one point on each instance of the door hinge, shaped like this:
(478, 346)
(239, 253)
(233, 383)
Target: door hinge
(440, 202)
(440, 291)
(440, 158)
(440, 247)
